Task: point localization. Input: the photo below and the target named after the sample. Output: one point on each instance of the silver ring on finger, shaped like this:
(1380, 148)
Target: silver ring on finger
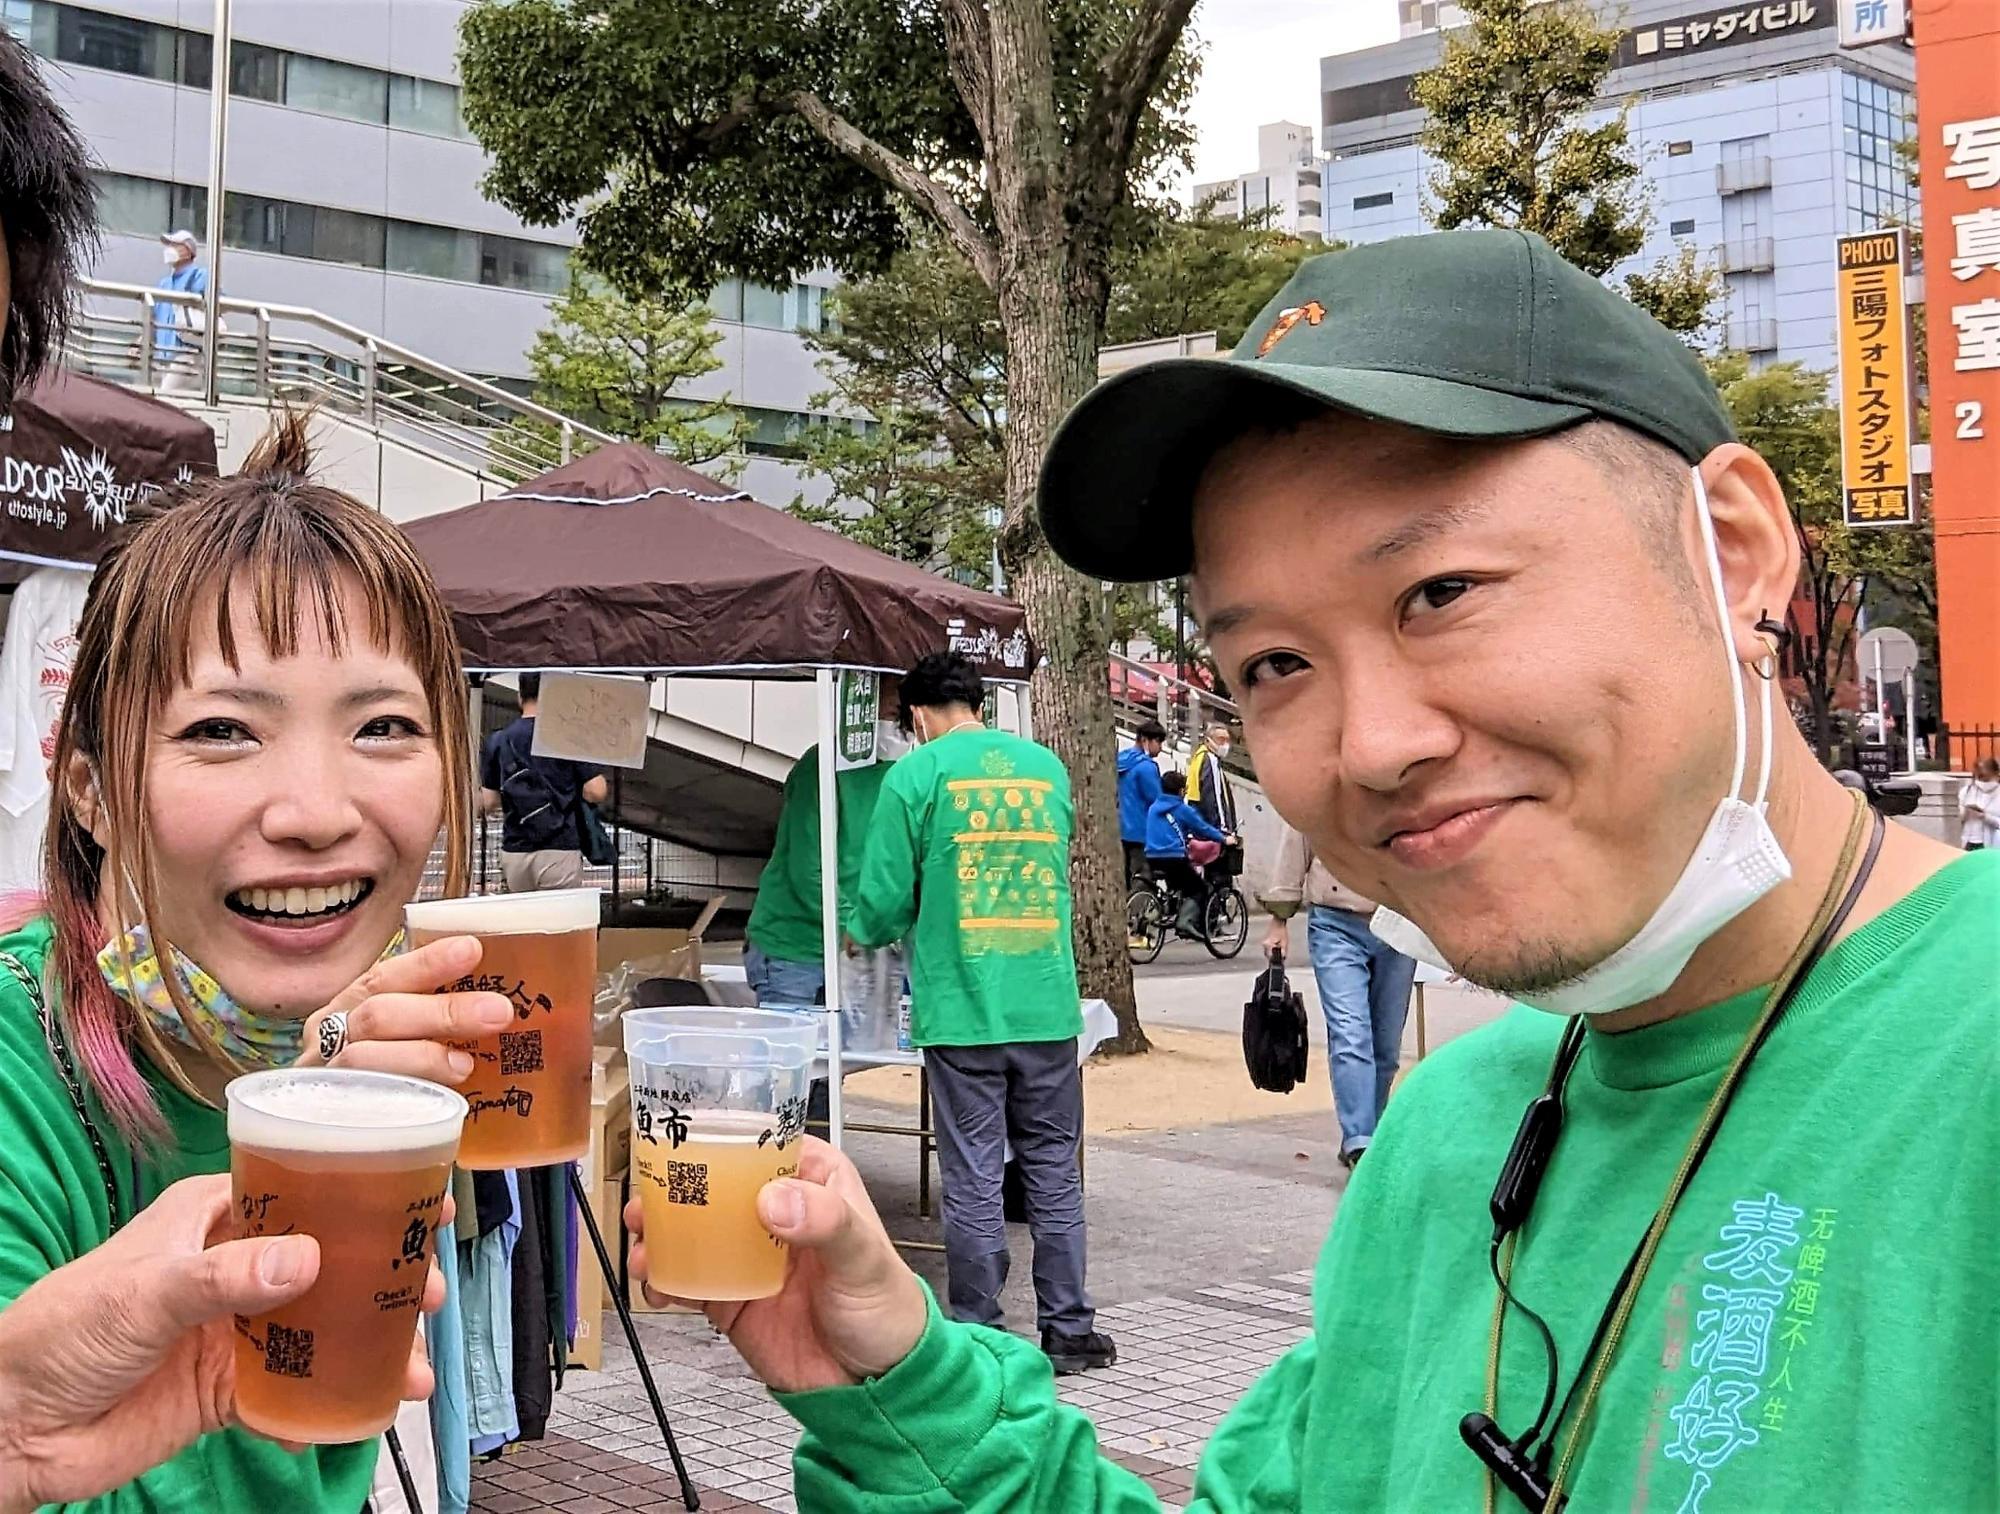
(332, 1035)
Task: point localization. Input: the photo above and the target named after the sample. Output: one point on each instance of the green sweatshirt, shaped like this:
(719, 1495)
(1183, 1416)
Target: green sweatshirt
(1818, 1331)
(970, 846)
(52, 1211)
(785, 921)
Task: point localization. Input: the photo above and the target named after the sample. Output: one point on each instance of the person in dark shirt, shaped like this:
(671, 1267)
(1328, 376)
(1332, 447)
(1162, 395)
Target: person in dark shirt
(537, 799)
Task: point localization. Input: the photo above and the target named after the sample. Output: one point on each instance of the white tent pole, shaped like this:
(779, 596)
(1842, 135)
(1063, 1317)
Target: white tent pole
(829, 891)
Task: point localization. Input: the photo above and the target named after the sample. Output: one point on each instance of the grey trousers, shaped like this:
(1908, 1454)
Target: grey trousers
(1029, 1094)
(529, 872)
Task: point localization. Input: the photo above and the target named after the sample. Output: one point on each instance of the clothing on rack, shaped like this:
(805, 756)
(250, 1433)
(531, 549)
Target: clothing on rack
(487, 1306)
(450, 1408)
(533, 1391)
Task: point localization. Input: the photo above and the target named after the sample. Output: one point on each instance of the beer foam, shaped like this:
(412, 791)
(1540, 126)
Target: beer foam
(550, 913)
(332, 1109)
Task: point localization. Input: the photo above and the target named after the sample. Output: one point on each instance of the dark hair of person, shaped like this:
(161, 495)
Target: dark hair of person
(1173, 783)
(531, 687)
(48, 213)
(940, 680)
(1152, 730)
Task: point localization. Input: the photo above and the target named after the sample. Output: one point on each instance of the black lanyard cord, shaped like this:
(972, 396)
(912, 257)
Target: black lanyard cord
(1829, 920)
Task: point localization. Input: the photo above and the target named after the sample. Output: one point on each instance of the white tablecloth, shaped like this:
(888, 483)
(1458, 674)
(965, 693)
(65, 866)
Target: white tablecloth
(1099, 1025)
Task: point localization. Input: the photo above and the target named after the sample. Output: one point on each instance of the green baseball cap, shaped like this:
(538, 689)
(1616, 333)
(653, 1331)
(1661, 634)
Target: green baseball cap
(1476, 334)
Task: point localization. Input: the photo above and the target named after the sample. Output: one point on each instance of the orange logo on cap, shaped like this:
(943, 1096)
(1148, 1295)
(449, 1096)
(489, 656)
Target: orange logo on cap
(1312, 313)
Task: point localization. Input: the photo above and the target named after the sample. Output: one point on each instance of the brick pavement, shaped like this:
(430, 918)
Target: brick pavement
(1183, 1360)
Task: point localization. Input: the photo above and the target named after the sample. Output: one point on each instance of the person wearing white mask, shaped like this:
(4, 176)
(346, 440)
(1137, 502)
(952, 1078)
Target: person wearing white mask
(1706, 1223)
(177, 328)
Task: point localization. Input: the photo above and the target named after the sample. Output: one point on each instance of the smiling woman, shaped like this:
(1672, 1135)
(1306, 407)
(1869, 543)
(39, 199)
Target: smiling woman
(263, 741)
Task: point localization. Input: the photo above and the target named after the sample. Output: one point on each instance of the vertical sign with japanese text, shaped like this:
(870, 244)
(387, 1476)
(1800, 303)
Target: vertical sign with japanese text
(1958, 131)
(1875, 412)
(856, 737)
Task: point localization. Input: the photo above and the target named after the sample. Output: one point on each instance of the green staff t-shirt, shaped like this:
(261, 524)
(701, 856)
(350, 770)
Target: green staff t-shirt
(53, 1210)
(785, 921)
(969, 846)
(1820, 1329)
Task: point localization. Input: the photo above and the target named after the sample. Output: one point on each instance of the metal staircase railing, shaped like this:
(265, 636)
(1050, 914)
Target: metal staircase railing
(289, 354)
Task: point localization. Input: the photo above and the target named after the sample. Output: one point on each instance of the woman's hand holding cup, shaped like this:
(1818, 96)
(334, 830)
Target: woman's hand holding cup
(398, 1021)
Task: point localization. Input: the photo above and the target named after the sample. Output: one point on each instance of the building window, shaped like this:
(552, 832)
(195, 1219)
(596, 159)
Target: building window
(1309, 178)
(433, 252)
(1374, 202)
(1309, 207)
(1681, 229)
(1679, 149)
(1875, 118)
(317, 232)
(425, 105)
(512, 263)
(80, 37)
(133, 207)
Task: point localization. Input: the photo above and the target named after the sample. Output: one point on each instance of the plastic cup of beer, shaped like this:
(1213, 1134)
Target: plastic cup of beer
(529, 1092)
(360, 1161)
(718, 1111)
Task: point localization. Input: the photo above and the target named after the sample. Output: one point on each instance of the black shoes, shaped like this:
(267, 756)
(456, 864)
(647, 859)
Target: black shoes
(1070, 1354)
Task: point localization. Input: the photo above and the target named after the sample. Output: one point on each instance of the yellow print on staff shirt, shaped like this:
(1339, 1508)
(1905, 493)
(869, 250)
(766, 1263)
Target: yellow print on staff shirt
(1009, 853)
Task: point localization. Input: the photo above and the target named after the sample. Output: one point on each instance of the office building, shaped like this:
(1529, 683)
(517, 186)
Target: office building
(354, 187)
(1761, 142)
(1285, 186)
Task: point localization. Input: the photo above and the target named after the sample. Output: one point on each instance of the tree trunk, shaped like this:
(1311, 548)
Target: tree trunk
(1051, 362)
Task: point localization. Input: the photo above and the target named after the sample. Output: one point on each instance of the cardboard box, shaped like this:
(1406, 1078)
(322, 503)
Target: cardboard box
(677, 951)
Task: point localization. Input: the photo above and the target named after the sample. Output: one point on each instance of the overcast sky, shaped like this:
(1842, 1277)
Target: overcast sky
(1262, 64)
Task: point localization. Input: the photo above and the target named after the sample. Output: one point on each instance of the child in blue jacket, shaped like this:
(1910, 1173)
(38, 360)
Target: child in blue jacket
(1169, 823)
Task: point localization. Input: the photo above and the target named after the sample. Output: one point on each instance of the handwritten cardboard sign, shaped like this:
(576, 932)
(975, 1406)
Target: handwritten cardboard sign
(589, 718)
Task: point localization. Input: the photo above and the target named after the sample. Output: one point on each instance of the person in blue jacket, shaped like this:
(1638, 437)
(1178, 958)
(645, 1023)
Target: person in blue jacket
(1138, 787)
(1169, 823)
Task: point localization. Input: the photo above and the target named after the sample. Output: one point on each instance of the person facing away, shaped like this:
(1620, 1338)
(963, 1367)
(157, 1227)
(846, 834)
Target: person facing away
(1138, 787)
(1473, 538)
(968, 858)
(1364, 984)
(538, 800)
(1169, 823)
(1979, 807)
(784, 954)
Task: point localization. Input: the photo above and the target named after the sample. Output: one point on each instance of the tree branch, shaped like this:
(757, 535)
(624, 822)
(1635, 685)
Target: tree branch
(899, 172)
(969, 50)
(1127, 78)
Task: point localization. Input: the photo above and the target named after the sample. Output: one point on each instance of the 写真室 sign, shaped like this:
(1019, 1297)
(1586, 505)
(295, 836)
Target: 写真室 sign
(1730, 26)
(1958, 142)
(1875, 411)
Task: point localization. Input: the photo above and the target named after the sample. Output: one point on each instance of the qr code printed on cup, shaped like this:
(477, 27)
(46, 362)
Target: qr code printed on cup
(687, 1183)
(520, 1052)
(288, 1352)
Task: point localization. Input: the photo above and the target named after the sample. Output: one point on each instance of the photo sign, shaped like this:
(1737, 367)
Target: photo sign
(587, 717)
(1873, 325)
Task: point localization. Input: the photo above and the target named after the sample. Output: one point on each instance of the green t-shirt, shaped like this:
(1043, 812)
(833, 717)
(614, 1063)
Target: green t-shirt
(785, 921)
(53, 1210)
(970, 847)
(1818, 1331)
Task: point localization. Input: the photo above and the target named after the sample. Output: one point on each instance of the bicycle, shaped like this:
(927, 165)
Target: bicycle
(1151, 908)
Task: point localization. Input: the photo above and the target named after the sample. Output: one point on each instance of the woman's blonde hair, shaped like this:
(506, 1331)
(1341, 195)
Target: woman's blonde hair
(294, 548)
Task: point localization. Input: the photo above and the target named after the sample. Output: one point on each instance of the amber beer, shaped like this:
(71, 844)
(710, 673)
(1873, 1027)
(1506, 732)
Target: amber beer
(359, 1161)
(696, 1198)
(529, 1093)
(718, 1111)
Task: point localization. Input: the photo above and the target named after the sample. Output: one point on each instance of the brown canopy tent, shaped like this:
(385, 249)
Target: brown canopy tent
(626, 561)
(75, 454)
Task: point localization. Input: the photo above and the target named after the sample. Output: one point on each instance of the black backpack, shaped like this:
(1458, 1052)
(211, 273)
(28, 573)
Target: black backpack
(538, 810)
(1274, 1030)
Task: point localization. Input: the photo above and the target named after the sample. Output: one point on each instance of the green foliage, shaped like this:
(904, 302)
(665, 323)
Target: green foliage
(919, 353)
(616, 362)
(680, 133)
(1201, 272)
(1507, 107)
(1783, 413)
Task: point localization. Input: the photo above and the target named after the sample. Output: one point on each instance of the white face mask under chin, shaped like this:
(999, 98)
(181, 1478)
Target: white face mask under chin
(1735, 863)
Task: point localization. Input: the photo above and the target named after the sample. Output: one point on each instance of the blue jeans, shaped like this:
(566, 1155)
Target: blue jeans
(775, 981)
(1364, 992)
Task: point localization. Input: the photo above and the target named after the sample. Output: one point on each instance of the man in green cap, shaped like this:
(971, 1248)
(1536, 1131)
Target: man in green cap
(1706, 1223)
